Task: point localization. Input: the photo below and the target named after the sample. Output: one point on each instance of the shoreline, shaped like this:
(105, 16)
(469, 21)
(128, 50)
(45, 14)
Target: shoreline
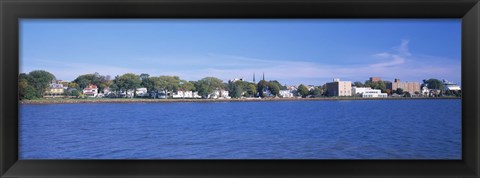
(148, 100)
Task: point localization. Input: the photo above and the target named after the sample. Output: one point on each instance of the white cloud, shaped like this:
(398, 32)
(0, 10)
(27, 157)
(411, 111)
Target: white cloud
(393, 58)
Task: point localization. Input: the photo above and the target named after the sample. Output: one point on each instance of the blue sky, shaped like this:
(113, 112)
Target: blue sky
(290, 51)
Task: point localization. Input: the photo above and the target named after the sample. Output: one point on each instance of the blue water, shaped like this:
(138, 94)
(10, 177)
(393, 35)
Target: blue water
(363, 129)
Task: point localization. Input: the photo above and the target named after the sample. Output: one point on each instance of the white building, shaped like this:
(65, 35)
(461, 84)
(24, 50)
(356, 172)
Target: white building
(129, 93)
(220, 94)
(90, 91)
(186, 94)
(367, 92)
(360, 90)
(425, 91)
(141, 92)
(374, 93)
(161, 94)
(286, 93)
(451, 86)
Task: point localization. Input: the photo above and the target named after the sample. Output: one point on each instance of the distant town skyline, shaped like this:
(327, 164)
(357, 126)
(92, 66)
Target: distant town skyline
(293, 52)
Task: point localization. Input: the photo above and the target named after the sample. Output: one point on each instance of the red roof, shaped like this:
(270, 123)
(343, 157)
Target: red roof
(90, 86)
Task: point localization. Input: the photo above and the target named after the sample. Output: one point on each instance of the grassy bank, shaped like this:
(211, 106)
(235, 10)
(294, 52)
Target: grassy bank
(145, 100)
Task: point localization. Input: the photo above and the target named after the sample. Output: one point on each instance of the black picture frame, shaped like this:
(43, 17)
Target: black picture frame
(13, 10)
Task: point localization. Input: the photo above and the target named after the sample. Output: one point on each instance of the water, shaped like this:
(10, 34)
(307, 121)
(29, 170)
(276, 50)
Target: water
(363, 129)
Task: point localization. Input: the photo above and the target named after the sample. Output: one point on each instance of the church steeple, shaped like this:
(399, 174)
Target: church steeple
(264, 76)
(254, 77)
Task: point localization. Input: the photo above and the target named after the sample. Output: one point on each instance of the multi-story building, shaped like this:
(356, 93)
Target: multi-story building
(410, 87)
(90, 91)
(54, 90)
(339, 88)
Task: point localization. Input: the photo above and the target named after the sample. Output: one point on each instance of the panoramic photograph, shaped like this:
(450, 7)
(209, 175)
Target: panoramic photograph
(240, 89)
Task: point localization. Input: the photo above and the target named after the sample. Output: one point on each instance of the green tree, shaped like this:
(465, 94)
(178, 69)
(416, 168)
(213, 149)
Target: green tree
(381, 85)
(100, 81)
(128, 82)
(435, 84)
(399, 91)
(73, 85)
(207, 85)
(302, 91)
(236, 89)
(251, 89)
(39, 80)
(25, 90)
(358, 84)
(316, 92)
(280, 86)
(186, 86)
(72, 92)
(274, 88)
(146, 82)
(169, 83)
(261, 87)
(144, 76)
(157, 85)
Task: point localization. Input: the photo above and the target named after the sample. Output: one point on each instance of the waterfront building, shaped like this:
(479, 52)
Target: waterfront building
(410, 87)
(217, 94)
(359, 90)
(90, 91)
(374, 93)
(129, 93)
(54, 90)
(196, 95)
(186, 94)
(286, 93)
(141, 92)
(425, 91)
(339, 88)
(450, 86)
(367, 92)
(161, 94)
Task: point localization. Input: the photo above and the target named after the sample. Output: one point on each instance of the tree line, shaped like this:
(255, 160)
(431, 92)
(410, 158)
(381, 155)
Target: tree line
(34, 84)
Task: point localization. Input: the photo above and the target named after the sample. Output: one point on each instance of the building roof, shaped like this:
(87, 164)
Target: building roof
(90, 86)
(56, 86)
